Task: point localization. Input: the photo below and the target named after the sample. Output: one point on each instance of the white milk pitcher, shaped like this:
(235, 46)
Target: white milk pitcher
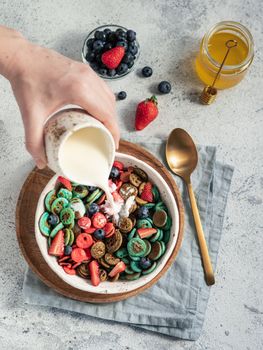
(79, 147)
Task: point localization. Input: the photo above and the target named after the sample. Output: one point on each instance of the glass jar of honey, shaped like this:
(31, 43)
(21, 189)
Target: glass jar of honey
(213, 49)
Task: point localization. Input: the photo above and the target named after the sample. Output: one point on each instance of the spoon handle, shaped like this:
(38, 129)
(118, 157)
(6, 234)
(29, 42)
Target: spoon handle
(208, 269)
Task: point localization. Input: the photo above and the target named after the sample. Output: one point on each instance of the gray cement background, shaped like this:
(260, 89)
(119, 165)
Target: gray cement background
(169, 34)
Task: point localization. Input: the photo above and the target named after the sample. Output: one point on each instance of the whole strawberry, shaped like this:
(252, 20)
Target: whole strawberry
(146, 112)
(112, 58)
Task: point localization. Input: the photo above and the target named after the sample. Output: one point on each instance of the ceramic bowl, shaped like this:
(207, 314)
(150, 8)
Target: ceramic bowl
(120, 286)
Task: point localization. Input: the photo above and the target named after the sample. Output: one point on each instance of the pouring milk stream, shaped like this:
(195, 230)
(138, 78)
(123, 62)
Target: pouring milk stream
(80, 148)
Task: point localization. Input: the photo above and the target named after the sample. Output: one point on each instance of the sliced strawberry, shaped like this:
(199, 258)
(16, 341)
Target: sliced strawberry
(117, 197)
(65, 182)
(112, 58)
(120, 267)
(99, 220)
(147, 193)
(57, 245)
(90, 230)
(78, 255)
(94, 272)
(84, 240)
(118, 165)
(69, 270)
(84, 222)
(88, 254)
(146, 232)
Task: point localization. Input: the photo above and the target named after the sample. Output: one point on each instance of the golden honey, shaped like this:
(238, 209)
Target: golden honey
(213, 49)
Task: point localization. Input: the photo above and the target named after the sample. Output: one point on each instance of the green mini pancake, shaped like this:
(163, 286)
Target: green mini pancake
(67, 216)
(44, 226)
(64, 193)
(55, 230)
(150, 269)
(133, 276)
(58, 205)
(144, 223)
(135, 266)
(49, 199)
(136, 247)
(80, 191)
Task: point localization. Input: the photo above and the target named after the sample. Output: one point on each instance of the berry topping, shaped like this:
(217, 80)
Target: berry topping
(143, 212)
(122, 95)
(57, 245)
(99, 233)
(146, 112)
(115, 173)
(147, 72)
(113, 57)
(164, 87)
(93, 208)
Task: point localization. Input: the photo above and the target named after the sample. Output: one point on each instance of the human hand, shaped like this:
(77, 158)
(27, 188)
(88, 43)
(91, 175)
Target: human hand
(44, 81)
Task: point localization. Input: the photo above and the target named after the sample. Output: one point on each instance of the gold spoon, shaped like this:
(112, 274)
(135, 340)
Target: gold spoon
(182, 158)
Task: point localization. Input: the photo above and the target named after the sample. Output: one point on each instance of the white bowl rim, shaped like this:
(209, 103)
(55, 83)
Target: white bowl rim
(108, 287)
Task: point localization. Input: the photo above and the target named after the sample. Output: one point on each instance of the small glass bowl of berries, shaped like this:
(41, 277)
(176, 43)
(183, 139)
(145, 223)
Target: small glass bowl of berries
(111, 51)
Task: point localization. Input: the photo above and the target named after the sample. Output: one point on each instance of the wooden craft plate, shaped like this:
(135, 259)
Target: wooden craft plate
(25, 220)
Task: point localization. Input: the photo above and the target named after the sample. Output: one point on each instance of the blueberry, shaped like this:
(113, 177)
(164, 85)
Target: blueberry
(127, 58)
(164, 87)
(147, 71)
(122, 68)
(103, 71)
(100, 35)
(92, 188)
(53, 220)
(94, 66)
(107, 31)
(145, 263)
(131, 35)
(120, 31)
(93, 208)
(112, 37)
(111, 72)
(143, 212)
(108, 46)
(99, 233)
(67, 250)
(133, 49)
(122, 43)
(121, 34)
(122, 95)
(90, 56)
(98, 59)
(130, 64)
(89, 43)
(115, 173)
(98, 45)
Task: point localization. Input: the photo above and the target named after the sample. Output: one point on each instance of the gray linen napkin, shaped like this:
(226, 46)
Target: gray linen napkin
(176, 304)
